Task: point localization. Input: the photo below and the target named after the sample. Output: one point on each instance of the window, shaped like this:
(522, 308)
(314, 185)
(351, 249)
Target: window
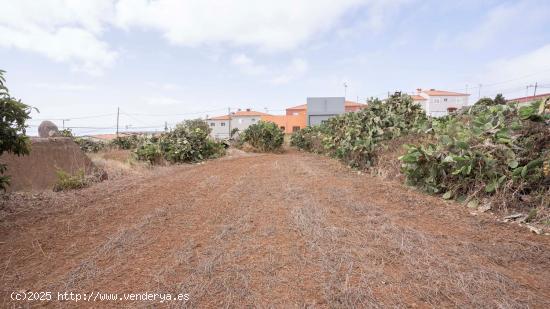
(435, 100)
(253, 119)
(295, 128)
(222, 124)
(212, 124)
(445, 100)
(283, 128)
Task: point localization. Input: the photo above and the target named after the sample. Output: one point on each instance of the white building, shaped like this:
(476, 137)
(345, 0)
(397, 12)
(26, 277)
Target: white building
(439, 103)
(223, 125)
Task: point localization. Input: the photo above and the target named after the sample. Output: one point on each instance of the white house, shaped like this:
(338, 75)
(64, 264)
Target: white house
(439, 103)
(223, 125)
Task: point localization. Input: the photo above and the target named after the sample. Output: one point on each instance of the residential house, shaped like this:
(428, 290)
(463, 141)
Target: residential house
(223, 125)
(296, 116)
(439, 103)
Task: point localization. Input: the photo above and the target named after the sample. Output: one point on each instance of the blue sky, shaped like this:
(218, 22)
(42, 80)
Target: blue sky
(168, 60)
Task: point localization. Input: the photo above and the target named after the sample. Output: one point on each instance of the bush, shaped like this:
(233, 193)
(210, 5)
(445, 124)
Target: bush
(66, 181)
(89, 145)
(491, 149)
(13, 138)
(309, 139)
(187, 142)
(353, 137)
(126, 142)
(264, 136)
(149, 151)
(66, 133)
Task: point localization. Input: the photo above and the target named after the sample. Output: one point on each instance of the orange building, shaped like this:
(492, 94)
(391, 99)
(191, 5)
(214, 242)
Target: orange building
(295, 118)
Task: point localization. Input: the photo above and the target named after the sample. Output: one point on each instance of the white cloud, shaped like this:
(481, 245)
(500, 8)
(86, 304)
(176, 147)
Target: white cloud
(273, 74)
(295, 69)
(72, 31)
(505, 21)
(528, 64)
(247, 65)
(269, 25)
(64, 31)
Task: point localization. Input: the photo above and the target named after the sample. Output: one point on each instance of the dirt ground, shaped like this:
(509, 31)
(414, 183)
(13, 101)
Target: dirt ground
(262, 230)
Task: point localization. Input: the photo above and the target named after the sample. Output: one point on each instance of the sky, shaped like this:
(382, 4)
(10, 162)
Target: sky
(166, 60)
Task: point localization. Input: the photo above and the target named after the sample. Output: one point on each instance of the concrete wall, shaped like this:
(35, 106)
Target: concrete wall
(37, 171)
(243, 122)
(322, 108)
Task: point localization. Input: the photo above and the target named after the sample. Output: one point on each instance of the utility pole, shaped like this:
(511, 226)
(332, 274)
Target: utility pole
(479, 92)
(229, 121)
(166, 126)
(529, 86)
(64, 122)
(117, 118)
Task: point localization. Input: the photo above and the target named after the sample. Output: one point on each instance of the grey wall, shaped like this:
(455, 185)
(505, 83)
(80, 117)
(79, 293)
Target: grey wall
(322, 108)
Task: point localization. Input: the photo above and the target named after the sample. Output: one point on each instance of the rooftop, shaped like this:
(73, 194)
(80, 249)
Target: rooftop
(530, 98)
(247, 112)
(346, 104)
(441, 93)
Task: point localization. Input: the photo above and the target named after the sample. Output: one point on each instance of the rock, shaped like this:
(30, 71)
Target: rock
(47, 129)
(535, 230)
(514, 216)
(484, 208)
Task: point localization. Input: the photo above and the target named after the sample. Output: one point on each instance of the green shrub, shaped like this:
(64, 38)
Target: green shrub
(89, 145)
(187, 142)
(491, 149)
(66, 133)
(13, 138)
(126, 142)
(149, 151)
(66, 181)
(264, 136)
(309, 139)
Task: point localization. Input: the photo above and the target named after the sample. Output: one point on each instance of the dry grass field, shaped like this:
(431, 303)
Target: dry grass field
(267, 230)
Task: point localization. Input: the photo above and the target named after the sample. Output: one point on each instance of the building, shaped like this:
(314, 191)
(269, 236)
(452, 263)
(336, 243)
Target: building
(223, 125)
(294, 119)
(528, 100)
(439, 103)
(296, 116)
(321, 109)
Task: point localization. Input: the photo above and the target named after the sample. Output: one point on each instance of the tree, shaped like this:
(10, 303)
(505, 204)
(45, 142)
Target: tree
(499, 99)
(13, 138)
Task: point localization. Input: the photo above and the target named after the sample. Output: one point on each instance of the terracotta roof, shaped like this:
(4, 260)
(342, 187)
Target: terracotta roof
(416, 97)
(249, 113)
(346, 104)
(437, 93)
(109, 136)
(239, 113)
(530, 98)
(224, 117)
